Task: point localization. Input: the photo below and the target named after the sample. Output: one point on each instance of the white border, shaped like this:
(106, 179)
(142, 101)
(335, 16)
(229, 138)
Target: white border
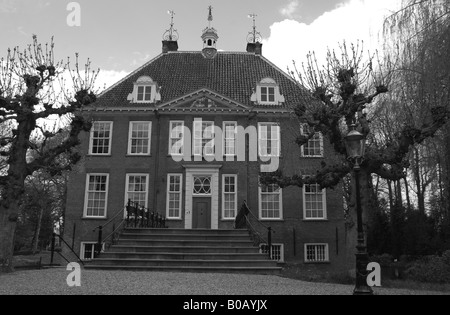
(167, 196)
(85, 216)
(235, 194)
(130, 130)
(224, 132)
(127, 181)
(260, 124)
(91, 139)
(260, 206)
(324, 202)
(170, 137)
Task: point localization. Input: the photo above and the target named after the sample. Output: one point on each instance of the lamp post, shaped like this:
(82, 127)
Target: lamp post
(355, 144)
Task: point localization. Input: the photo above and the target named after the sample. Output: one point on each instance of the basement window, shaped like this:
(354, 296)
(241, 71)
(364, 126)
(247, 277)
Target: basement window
(316, 253)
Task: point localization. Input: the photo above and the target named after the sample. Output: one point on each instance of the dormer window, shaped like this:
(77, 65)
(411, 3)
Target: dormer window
(145, 91)
(267, 93)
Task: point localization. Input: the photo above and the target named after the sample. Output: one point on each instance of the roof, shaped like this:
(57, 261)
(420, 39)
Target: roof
(231, 74)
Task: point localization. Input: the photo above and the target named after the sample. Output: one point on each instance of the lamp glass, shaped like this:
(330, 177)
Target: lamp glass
(355, 144)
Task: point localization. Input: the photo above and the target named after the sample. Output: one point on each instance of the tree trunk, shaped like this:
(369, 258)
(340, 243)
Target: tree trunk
(408, 199)
(8, 222)
(391, 198)
(399, 194)
(37, 231)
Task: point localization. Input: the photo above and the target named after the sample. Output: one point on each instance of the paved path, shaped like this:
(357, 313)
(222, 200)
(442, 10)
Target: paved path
(50, 282)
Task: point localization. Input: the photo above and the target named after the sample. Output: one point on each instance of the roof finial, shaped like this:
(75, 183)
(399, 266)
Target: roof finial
(210, 16)
(171, 34)
(254, 36)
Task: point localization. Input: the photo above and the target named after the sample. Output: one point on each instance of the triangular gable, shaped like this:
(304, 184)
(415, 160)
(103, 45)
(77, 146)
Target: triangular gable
(203, 99)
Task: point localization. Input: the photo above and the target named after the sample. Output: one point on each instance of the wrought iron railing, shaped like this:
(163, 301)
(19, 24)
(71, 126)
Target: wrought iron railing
(139, 216)
(136, 216)
(243, 220)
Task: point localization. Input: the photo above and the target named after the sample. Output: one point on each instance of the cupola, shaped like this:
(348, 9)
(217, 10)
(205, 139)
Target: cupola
(209, 38)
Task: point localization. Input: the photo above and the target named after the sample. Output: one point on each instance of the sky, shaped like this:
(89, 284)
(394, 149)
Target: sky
(119, 36)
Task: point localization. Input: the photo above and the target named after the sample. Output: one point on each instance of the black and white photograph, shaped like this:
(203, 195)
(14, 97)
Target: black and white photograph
(233, 155)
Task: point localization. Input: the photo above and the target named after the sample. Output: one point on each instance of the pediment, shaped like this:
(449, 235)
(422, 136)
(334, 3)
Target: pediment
(203, 99)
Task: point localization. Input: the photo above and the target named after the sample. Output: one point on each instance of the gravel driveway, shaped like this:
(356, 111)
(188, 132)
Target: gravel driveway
(53, 281)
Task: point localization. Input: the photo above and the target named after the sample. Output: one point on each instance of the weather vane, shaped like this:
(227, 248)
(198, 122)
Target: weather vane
(171, 34)
(210, 16)
(254, 36)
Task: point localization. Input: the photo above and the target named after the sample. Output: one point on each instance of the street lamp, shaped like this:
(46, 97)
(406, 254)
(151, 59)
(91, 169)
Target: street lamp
(355, 144)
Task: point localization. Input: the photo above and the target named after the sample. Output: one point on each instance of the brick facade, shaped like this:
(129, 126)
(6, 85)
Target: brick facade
(293, 231)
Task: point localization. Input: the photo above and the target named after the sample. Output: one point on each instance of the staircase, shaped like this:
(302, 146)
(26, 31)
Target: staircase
(206, 251)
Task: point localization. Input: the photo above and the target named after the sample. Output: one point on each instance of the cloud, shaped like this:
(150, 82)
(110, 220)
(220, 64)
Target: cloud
(290, 9)
(107, 78)
(21, 31)
(7, 6)
(354, 20)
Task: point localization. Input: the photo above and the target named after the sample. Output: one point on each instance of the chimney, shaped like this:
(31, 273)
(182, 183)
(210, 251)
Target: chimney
(255, 48)
(169, 45)
(170, 37)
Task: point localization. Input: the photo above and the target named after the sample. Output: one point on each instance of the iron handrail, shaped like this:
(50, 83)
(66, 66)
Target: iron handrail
(244, 214)
(255, 217)
(114, 231)
(54, 235)
(255, 232)
(100, 239)
(140, 213)
(112, 219)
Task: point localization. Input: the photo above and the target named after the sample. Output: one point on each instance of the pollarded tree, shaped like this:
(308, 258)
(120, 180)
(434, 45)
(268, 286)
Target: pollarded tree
(348, 91)
(32, 94)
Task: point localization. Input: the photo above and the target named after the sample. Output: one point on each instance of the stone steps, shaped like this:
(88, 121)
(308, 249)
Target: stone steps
(178, 250)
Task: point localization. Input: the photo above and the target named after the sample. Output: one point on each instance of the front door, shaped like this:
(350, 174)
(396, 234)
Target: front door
(201, 213)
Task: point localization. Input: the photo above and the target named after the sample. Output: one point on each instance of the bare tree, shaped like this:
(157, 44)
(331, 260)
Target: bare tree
(29, 101)
(347, 91)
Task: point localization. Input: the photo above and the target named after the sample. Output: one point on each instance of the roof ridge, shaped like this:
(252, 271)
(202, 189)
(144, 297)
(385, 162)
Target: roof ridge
(219, 52)
(284, 73)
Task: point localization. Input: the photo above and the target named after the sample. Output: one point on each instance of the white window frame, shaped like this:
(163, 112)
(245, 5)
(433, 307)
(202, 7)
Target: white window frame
(194, 144)
(224, 130)
(316, 261)
(86, 197)
(319, 134)
(235, 197)
(171, 128)
(168, 197)
(324, 203)
(260, 139)
(281, 260)
(267, 94)
(260, 193)
(83, 247)
(127, 182)
(91, 138)
(130, 137)
(146, 87)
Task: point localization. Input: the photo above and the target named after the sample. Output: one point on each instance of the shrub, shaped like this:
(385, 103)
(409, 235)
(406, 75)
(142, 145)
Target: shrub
(431, 269)
(383, 260)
